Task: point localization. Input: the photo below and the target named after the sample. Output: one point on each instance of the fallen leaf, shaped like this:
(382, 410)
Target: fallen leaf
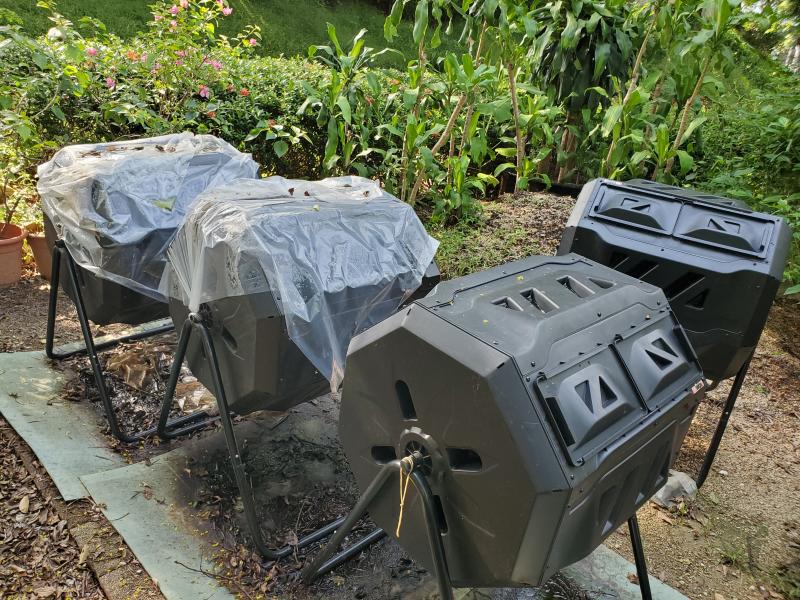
(84, 554)
(666, 519)
(718, 596)
(24, 504)
(633, 578)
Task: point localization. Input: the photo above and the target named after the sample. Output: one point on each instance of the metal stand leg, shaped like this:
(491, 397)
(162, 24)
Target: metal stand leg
(196, 322)
(711, 453)
(410, 464)
(638, 556)
(90, 348)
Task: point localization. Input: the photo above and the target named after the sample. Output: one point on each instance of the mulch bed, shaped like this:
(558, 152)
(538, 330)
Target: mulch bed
(38, 557)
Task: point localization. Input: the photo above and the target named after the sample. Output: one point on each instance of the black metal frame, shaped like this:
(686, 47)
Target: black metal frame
(412, 466)
(90, 348)
(722, 424)
(199, 322)
(168, 429)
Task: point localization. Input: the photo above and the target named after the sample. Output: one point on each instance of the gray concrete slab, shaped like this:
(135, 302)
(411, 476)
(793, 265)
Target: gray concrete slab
(142, 503)
(65, 436)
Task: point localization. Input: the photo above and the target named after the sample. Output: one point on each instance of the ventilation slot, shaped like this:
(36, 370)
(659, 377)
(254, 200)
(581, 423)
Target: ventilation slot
(464, 459)
(559, 421)
(698, 301)
(661, 353)
(508, 303)
(582, 389)
(575, 286)
(603, 284)
(661, 344)
(607, 395)
(404, 398)
(682, 284)
(539, 300)
(383, 454)
(642, 269)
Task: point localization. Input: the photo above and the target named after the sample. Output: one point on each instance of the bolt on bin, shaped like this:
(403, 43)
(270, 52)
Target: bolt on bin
(719, 265)
(116, 206)
(543, 402)
(268, 282)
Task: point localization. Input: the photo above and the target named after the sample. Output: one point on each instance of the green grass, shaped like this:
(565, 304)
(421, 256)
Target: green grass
(287, 28)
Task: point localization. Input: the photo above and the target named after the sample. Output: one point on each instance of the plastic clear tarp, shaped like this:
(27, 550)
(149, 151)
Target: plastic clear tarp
(339, 255)
(117, 205)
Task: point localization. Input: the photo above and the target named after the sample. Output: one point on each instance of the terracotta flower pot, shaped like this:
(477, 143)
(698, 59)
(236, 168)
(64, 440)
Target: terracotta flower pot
(11, 238)
(41, 254)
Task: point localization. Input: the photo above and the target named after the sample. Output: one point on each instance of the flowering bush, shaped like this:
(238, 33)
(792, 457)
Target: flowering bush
(71, 87)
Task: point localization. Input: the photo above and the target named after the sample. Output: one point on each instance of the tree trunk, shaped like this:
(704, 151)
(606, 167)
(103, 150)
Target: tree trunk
(518, 130)
(448, 130)
(404, 155)
(637, 68)
(687, 110)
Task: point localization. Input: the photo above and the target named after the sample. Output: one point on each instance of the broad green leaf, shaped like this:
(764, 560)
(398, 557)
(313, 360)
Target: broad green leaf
(280, 148)
(795, 289)
(691, 127)
(601, 54)
(686, 161)
(344, 106)
(639, 157)
(613, 113)
(420, 21)
(491, 179)
(507, 151)
(504, 167)
(334, 38)
(702, 37)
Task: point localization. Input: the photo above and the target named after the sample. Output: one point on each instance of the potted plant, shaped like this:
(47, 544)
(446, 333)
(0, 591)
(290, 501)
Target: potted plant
(33, 221)
(11, 235)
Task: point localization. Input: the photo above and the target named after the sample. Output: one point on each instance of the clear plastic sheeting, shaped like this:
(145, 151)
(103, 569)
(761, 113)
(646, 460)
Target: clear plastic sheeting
(117, 205)
(339, 255)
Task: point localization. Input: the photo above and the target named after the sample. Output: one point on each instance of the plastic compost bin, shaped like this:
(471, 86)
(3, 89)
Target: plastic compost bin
(246, 243)
(719, 263)
(117, 206)
(549, 396)
(261, 366)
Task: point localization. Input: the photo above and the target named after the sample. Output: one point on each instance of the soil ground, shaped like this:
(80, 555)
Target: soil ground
(739, 539)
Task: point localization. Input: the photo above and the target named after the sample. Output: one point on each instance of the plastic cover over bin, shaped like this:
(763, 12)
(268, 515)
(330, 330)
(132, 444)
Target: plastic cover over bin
(339, 256)
(117, 205)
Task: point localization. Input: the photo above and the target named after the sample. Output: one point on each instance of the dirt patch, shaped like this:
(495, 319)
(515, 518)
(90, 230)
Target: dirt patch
(510, 228)
(23, 316)
(740, 538)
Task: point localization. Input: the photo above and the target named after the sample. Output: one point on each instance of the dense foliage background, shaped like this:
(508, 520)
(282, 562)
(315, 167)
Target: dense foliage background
(462, 100)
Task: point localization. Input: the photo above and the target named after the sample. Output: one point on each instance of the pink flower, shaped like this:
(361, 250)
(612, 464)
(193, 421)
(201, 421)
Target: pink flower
(157, 17)
(143, 57)
(175, 9)
(110, 83)
(184, 3)
(221, 3)
(173, 24)
(204, 92)
(227, 11)
(178, 63)
(181, 53)
(244, 92)
(216, 64)
(253, 41)
(91, 51)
